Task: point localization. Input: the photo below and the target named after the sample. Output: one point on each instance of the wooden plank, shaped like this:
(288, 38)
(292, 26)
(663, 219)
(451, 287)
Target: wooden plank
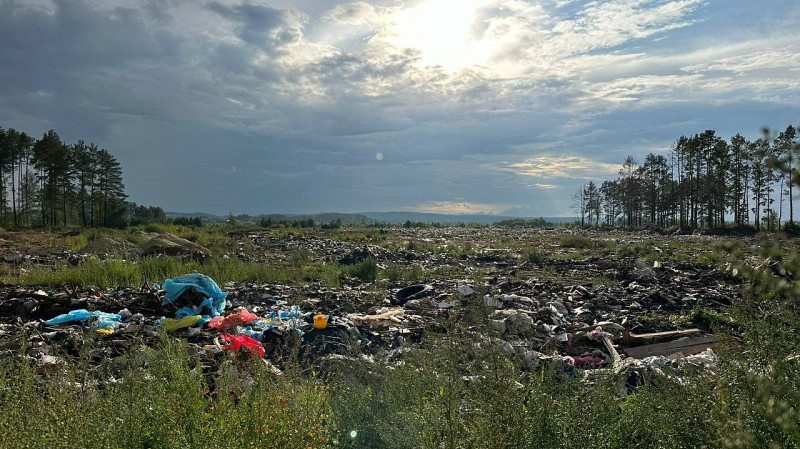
(687, 346)
(655, 336)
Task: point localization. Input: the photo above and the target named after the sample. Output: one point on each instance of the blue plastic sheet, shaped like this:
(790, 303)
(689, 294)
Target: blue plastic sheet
(175, 287)
(74, 315)
(103, 321)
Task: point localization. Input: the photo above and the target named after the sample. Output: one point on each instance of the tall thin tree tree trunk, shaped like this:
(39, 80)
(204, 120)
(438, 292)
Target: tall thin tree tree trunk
(14, 195)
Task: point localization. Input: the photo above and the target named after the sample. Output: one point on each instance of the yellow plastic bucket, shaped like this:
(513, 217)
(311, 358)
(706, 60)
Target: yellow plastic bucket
(320, 321)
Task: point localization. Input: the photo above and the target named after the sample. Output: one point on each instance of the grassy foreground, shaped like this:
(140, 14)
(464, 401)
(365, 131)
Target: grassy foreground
(451, 393)
(456, 391)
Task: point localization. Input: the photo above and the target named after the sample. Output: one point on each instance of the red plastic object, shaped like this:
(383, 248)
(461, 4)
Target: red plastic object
(231, 321)
(237, 341)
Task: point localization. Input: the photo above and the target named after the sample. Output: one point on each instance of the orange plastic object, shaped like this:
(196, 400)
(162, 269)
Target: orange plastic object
(320, 321)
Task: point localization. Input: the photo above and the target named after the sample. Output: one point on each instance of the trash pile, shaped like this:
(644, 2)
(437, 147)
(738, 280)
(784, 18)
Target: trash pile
(200, 314)
(580, 328)
(595, 314)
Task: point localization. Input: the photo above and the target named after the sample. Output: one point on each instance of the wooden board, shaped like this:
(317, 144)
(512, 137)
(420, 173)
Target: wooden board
(687, 346)
(656, 336)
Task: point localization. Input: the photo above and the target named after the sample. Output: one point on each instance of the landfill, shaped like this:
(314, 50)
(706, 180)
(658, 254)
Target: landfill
(568, 316)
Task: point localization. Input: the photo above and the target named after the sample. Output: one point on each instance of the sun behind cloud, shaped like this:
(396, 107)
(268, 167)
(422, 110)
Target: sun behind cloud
(441, 30)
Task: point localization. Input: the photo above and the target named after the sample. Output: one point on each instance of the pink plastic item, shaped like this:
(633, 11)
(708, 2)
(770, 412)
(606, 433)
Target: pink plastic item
(231, 321)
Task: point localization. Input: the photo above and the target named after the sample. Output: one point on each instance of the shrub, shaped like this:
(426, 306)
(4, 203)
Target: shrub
(575, 241)
(366, 270)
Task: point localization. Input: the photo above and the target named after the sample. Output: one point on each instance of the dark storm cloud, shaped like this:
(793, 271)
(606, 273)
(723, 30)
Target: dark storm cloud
(266, 27)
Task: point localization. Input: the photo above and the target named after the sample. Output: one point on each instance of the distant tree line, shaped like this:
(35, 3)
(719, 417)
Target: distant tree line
(47, 182)
(524, 223)
(183, 221)
(703, 182)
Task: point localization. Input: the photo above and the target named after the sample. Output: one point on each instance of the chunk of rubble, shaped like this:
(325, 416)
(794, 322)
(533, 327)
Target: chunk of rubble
(465, 290)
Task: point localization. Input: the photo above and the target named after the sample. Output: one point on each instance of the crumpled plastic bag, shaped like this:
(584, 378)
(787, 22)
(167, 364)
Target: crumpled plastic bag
(207, 304)
(172, 325)
(235, 342)
(293, 319)
(104, 320)
(73, 315)
(175, 287)
(233, 320)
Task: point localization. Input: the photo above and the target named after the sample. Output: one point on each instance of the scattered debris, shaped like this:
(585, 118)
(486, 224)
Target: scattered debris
(567, 317)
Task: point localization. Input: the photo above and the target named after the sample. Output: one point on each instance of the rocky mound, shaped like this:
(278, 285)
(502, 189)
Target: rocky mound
(108, 247)
(172, 245)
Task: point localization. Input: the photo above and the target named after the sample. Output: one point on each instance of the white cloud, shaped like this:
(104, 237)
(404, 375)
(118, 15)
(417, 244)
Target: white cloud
(470, 101)
(558, 166)
(787, 58)
(459, 207)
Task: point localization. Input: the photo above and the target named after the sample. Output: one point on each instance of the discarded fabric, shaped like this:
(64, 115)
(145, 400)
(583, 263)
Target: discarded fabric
(585, 360)
(105, 320)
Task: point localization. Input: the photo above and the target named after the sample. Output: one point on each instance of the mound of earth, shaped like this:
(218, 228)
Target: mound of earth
(107, 247)
(172, 245)
(145, 235)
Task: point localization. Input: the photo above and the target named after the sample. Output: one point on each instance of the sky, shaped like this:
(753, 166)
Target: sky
(448, 106)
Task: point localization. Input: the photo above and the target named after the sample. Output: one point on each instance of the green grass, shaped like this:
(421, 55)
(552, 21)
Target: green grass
(394, 273)
(117, 273)
(450, 393)
(576, 241)
(366, 270)
(161, 402)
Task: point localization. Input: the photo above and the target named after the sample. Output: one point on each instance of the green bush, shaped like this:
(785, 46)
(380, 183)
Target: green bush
(575, 241)
(366, 270)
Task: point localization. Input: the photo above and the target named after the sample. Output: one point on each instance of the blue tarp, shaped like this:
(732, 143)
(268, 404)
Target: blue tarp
(175, 287)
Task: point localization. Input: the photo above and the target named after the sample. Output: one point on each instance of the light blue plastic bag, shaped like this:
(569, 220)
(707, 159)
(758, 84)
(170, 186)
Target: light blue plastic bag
(175, 287)
(74, 315)
(104, 319)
